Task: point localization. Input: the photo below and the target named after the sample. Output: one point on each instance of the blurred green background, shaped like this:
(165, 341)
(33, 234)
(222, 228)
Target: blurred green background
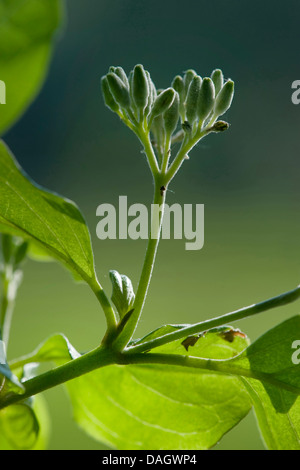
(247, 178)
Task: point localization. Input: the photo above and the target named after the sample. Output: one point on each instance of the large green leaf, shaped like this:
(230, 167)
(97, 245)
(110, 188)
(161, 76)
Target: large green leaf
(162, 407)
(52, 222)
(276, 395)
(25, 425)
(26, 32)
(154, 407)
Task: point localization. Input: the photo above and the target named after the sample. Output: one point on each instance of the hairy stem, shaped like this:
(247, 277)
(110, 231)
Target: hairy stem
(153, 242)
(200, 327)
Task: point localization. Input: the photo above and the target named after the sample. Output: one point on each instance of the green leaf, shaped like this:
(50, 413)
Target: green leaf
(275, 396)
(52, 222)
(25, 426)
(56, 348)
(161, 406)
(26, 33)
(6, 374)
(19, 426)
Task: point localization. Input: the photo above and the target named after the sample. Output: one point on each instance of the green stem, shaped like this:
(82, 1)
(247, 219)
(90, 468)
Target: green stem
(151, 157)
(110, 316)
(10, 284)
(95, 359)
(200, 327)
(220, 366)
(153, 242)
(185, 148)
(102, 357)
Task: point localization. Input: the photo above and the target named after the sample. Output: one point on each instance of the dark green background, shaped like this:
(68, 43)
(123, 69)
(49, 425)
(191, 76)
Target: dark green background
(248, 178)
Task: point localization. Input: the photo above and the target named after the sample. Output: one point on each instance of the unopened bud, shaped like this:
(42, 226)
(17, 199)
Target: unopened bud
(140, 86)
(192, 99)
(122, 75)
(122, 293)
(163, 102)
(186, 127)
(206, 99)
(224, 98)
(171, 116)
(188, 77)
(178, 85)
(152, 93)
(218, 79)
(220, 126)
(107, 95)
(118, 90)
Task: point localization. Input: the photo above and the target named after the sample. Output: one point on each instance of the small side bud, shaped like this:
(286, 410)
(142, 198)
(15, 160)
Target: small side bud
(162, 102)
(186, 127)
(192, 99)
(107, 95)
(218, 79)
(171, 116)
(122, 293)
(140, 90)
(220, 126)
(206, 99)
(224, 98)
(118, 90)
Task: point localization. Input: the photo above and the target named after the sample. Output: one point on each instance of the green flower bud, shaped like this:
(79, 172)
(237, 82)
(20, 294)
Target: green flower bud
(188, 77)
(206, 99)
(140, 90)
(158, 131)
(178, 85)
(224, 98)
(152, 94)
(162, 102)
(108, 97)
(192, 99)
(218, 79)
(122, 75)
(171, 116)
(122, 293)
(119, 90)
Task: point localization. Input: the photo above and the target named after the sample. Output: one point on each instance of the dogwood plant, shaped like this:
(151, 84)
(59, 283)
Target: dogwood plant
(181, 386)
